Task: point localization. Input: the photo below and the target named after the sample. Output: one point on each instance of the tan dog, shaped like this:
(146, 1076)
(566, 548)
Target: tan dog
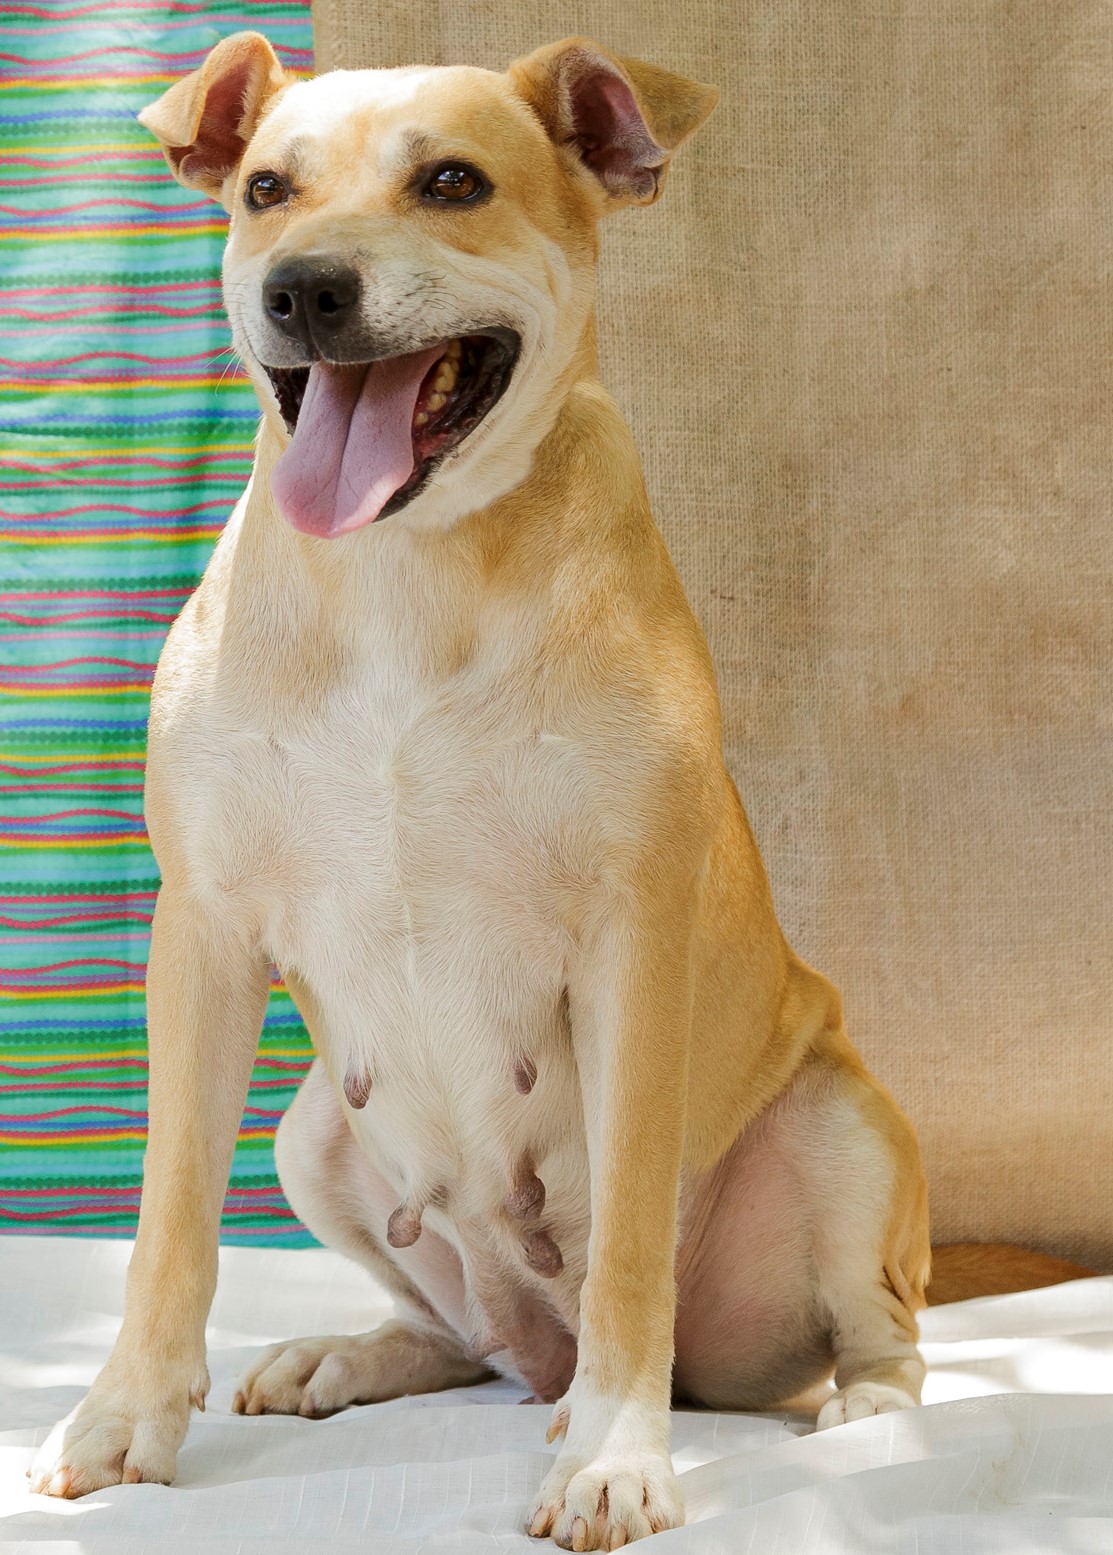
(460, 776)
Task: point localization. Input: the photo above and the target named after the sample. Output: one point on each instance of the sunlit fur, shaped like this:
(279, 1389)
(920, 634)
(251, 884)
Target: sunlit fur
(460, 775)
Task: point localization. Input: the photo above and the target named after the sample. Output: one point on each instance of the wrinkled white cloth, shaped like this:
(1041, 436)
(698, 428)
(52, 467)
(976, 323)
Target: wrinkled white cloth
(1013, 1454)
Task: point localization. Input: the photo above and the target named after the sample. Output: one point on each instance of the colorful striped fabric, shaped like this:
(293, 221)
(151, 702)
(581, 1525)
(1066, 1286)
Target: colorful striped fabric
(125, 438)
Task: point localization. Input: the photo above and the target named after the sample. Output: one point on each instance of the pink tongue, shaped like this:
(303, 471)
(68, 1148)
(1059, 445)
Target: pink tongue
(351, 449)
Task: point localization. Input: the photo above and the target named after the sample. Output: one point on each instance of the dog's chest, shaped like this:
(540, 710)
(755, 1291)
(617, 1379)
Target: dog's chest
(396, 823)
(415, 858)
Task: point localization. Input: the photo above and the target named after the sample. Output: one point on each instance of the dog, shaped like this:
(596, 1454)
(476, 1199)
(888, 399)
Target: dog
(439, 736)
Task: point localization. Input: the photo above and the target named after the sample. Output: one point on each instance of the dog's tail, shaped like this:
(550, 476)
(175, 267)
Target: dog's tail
(966, 1269)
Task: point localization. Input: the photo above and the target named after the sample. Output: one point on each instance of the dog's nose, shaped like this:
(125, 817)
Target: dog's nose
(311, 299)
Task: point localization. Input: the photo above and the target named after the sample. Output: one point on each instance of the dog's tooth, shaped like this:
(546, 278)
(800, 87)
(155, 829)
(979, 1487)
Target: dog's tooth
(421, 418)
(435, 401)
(455, 348)
(446, 375)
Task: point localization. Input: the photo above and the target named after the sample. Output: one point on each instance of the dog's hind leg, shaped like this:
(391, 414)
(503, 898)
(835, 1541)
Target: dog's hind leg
(337, 1193)
(318, 1376)
(871, 1249)
(805, 1253)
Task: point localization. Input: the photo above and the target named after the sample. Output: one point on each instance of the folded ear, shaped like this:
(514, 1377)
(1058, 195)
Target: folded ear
(620, 118)
(206, 120)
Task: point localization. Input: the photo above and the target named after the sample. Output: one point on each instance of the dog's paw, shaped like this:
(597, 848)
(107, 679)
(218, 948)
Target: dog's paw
(311, 1377)
(860, 1400)
(308, 1377)
(120, 1434)
(604, 1493)
(606, 1503)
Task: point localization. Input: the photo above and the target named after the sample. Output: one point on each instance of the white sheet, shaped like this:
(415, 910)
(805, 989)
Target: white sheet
(1012, 1456)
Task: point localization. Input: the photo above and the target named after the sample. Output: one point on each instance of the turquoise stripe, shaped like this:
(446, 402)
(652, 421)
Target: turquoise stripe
(151, 465)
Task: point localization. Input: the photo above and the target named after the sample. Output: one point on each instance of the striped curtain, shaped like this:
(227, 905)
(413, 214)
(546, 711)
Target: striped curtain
(125, 438)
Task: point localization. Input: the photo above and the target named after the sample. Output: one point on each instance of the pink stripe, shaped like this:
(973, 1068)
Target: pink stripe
(135, 205)
(75, 1112)
(175, 593)
(131, 1063)
(64, 966)
(148, 635)
(126, 356)
(88, 938)
(97, 483)
(87, 896)
(107, 229)
(149, 291)
(89, 1206)
(91, 615)
(112, 507)
(80, 178)
(68, 815)
(138, 460)
(46, 381)
(65, 664)
(116, 909)
(122, 532)
(117, 327)
(24, 1070)
(70, 788)
(119, 48)
(36, 637)
(101, 8)
(62, 1191)
(86, 683)
(161, 25)
(148, 309)
(125, 154)
(73, 920)
(119, 1112)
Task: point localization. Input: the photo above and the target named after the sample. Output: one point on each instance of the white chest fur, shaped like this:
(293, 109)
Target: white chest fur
(408, 851)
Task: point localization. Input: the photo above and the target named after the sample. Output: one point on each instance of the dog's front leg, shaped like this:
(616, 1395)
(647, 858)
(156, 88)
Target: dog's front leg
(630, 1002)
(206, 995)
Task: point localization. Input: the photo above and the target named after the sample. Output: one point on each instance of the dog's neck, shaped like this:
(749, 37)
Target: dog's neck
(393, 584)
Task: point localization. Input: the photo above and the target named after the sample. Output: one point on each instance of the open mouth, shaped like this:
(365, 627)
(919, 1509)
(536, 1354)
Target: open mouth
(367, 436)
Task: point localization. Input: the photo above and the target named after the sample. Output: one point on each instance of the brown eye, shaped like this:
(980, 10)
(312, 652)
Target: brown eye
(455, 181)
(266, 190)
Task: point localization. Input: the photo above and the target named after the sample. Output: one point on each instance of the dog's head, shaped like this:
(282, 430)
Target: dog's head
(411, 254)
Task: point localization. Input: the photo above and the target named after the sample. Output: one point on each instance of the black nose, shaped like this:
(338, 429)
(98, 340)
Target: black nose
(311, 299)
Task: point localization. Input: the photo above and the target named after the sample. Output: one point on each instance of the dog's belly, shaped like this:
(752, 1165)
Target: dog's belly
(453, 1028)
(410, 898)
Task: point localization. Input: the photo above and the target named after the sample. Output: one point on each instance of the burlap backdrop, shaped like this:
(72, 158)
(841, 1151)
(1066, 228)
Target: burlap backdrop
(865, 346)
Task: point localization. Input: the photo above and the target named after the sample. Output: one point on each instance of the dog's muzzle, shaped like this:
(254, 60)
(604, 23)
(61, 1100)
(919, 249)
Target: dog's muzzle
(315, 303)
(371, 411)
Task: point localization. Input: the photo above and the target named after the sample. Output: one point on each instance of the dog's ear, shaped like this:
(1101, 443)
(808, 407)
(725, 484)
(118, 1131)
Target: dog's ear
(205, 121)
(621, 119)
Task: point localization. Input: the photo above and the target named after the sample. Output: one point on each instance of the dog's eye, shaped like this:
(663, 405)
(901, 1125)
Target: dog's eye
(455, 181)
(265, 190)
